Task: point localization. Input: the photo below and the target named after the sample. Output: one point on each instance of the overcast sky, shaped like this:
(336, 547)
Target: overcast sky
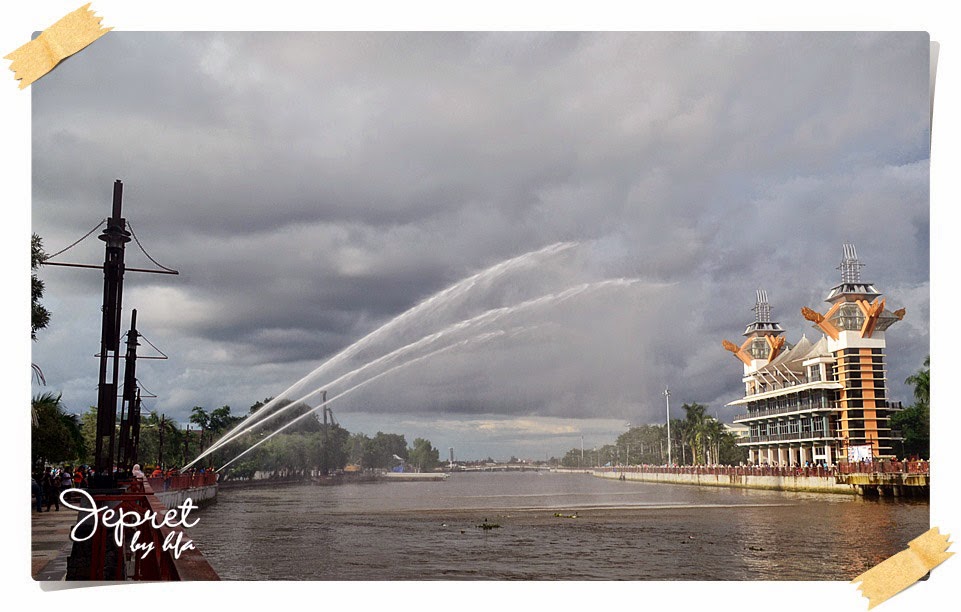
(312, 187)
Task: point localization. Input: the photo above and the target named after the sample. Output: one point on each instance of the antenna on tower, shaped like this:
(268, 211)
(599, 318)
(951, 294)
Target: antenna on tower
(850, 266)
(762, 309)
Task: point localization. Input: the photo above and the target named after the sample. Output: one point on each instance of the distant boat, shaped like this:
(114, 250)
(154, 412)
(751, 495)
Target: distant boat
(413, 476)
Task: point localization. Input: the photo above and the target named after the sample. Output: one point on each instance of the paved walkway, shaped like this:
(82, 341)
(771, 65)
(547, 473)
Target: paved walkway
(50, 542)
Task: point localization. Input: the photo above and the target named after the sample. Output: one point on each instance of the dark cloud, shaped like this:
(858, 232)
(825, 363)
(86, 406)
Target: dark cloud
(311, 186)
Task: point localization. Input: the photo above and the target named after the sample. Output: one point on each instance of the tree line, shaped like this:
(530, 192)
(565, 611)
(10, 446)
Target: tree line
(303, 449)
(697, 439)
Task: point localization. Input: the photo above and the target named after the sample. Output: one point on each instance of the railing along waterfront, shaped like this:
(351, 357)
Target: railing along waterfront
(159, 562)
(182, 481)
(885, 467)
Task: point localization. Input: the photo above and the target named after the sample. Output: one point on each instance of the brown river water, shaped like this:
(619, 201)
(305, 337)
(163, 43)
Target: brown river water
(622, 531)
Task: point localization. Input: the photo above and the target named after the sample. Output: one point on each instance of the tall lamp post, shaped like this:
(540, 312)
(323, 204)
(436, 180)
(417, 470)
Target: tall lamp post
(115, 236)
(667, 398)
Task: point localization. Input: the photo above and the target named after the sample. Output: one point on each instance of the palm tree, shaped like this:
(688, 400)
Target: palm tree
(922, 383)
(200, 417)
(695, 419)
(714, 432)
(56, 435)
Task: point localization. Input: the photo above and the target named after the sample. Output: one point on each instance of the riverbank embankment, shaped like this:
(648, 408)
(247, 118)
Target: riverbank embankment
(909, 479)
(809, 484)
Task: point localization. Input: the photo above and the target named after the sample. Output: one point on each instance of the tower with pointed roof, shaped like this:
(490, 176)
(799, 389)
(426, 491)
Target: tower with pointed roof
(855, 325)
(813, 402)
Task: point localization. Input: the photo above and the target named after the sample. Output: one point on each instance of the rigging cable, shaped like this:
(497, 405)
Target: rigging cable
(95, 228)
(159, 265)
(142, 337)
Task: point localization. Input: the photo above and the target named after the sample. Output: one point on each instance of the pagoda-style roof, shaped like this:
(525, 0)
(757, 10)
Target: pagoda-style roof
(852, 290)
(763, 326)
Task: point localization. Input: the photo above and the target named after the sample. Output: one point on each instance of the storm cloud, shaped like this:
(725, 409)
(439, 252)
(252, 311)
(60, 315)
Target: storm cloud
(310, 187)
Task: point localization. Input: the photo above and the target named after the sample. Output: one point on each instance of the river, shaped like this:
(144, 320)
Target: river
(622, 531)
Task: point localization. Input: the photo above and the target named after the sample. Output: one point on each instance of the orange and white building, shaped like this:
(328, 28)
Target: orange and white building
(823, 401)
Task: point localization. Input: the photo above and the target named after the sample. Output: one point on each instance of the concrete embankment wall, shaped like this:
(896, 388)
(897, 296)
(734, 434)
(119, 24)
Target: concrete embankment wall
(199, 495)
(811, 484)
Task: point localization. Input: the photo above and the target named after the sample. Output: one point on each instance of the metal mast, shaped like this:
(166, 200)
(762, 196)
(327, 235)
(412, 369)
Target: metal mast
(116, 236)
(129, 413)
(667, 397)
(850, 265)
(325, 468)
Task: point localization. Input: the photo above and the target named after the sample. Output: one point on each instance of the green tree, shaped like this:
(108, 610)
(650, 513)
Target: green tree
(729, 452)
(356, 443)
(200, 418)
(39, 316)
(645, 443)
(914, 422)
(161, 442)
(88, 429)
(922, 383)
(713, 434)
(423, 455)
(275, 421)
(695, 430)
(258, 405)
(56, 436)
(381, 450)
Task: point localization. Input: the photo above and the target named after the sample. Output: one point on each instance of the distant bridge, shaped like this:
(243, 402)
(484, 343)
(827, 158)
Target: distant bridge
(503, 467)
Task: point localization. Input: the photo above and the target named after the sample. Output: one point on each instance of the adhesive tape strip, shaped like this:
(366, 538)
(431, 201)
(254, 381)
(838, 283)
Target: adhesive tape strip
(893, 575)
(70, 34)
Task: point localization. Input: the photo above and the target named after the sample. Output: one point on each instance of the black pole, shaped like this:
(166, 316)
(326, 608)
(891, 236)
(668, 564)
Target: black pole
(135, 430)
(325, 469)
(115, 235)
(126, 451)
(160, 453)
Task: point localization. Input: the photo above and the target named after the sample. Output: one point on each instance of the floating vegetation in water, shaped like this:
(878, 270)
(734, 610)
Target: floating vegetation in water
(487, 525)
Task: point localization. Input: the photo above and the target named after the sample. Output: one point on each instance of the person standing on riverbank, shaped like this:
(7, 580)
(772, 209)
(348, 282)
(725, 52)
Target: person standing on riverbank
(37, 492)
(51, 489)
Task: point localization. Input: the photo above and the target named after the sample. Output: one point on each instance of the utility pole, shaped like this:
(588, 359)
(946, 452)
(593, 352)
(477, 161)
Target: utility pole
(667, 397)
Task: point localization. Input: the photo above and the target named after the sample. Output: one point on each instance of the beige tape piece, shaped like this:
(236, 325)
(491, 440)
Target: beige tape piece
(72, 33)
(891, 576)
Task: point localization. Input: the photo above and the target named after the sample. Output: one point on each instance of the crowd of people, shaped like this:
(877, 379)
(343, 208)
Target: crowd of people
(47, 484)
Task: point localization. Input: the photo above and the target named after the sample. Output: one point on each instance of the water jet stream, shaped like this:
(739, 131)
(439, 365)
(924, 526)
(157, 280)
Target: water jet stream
(429, 305)
(485, 318)
(478, 338)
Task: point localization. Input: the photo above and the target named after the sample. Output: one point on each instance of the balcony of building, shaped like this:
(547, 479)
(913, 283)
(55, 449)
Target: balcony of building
(799, 436)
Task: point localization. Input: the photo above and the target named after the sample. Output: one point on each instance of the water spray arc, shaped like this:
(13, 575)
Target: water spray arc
(431, 304)
(485, 318)
(478, 338)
